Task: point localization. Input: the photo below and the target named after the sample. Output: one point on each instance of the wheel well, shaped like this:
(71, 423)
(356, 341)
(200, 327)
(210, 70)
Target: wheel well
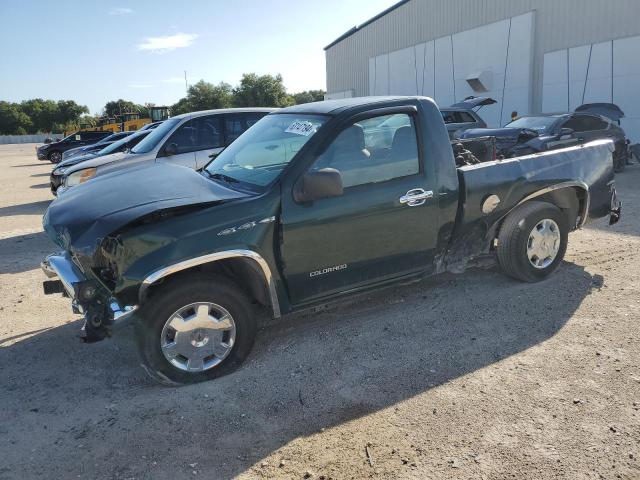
(572, 201)
(244, 272)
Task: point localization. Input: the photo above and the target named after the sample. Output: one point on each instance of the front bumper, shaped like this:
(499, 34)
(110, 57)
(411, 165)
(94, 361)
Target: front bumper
(103, 314)
(54, 183)
(41, 155)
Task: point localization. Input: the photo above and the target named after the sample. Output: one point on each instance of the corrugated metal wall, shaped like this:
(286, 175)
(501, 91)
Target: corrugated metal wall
(558, 24)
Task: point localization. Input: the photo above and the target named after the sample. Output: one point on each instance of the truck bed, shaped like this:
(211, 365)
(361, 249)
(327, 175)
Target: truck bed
(588, 169)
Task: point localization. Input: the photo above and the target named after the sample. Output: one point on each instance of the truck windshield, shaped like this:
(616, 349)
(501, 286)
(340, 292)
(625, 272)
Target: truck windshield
(259, 155)
(539, 124)
(155, 136)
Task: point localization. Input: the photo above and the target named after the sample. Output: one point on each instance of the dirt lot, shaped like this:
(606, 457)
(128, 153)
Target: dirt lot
(470, 376)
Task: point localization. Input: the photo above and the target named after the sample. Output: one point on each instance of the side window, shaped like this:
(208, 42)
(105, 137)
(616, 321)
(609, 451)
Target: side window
(252, 118)
(448, 117)
(466, 117)
(585, 123)
(236, 125)
(601, 124)
(374, 150)
(184, 138)
(208, 132)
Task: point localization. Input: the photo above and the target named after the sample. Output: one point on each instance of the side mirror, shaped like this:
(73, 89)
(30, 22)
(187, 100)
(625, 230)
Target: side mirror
(324, 183)
(171, 149)
(565, 133)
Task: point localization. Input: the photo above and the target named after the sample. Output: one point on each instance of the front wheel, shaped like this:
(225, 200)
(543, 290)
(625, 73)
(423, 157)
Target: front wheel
(197, 329)
(55, 157)
(532, 241)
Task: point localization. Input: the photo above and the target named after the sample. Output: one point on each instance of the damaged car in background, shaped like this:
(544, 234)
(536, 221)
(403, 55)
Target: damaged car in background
(464, 115)
(314, 203)
(541, 132)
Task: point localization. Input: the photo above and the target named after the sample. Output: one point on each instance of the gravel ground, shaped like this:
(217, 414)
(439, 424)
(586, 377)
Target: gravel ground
(468, 376)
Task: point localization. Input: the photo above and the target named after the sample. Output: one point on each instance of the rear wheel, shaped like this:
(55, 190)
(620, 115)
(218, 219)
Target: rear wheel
(55, 157)
(532, 241)
(192, 330)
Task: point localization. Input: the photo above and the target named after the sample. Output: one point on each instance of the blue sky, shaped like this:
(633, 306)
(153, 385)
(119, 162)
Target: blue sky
(92, 51)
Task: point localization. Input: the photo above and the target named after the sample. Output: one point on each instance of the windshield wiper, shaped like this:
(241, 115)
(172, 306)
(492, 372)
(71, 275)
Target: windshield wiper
(221, 176)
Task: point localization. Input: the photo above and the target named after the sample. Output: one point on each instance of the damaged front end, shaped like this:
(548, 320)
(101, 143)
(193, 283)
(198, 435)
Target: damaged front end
(102, 312)
(85, 223)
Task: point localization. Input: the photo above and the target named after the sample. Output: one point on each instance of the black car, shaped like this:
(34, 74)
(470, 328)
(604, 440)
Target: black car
(540, 132)
(114, 137)
(53, 151)
(123, 145)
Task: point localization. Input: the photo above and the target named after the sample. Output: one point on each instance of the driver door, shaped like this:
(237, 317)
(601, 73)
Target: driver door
(184, 141)
(209, 138)
(374, 231)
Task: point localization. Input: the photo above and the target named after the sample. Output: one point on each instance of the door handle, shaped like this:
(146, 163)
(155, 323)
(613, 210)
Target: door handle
(415, 197)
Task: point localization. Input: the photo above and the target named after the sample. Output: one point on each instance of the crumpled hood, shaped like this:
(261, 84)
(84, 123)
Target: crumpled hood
(84, 215)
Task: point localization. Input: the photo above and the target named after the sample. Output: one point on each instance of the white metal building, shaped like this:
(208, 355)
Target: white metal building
(530, 55)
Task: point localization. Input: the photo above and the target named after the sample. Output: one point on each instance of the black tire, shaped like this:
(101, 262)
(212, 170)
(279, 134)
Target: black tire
(172, 296)
(513, 240)
(55, 156)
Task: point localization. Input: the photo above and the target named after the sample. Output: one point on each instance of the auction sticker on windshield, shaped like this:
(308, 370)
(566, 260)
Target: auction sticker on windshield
(301, 127)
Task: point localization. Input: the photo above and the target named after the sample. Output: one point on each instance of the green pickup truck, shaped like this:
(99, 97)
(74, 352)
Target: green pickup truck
(312, 204)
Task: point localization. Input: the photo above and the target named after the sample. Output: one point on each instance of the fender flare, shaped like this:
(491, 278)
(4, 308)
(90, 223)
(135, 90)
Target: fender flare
(584, 214)
(210, 258)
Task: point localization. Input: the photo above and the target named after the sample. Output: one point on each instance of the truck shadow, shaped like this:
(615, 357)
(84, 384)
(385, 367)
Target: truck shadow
(308, 371)
(22, 165)
(24, 252)
(33, 208)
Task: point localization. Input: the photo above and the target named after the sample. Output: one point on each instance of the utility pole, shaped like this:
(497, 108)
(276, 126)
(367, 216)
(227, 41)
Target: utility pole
(186, 85)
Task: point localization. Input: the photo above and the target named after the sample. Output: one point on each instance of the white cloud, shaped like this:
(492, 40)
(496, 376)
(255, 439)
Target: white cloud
(168, 42)
(120, 11)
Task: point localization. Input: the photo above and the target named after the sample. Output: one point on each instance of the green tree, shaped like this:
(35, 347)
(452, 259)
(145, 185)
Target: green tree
(308, 96)
(261, 91)
(69, 111)
(13, 121)
(180, 107)
(41, 112)
(204, 96)
(117, 107)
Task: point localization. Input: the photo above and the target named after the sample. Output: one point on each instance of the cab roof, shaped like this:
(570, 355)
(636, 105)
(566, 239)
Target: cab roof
(334, 107)
(225, 110)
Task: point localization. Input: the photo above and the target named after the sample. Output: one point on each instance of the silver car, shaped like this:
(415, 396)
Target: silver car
(191, 140)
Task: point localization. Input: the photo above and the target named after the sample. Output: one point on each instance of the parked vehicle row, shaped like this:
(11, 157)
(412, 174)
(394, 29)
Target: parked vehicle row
(311, 204)
(121, 146)
(53, 151)
(190, 140)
